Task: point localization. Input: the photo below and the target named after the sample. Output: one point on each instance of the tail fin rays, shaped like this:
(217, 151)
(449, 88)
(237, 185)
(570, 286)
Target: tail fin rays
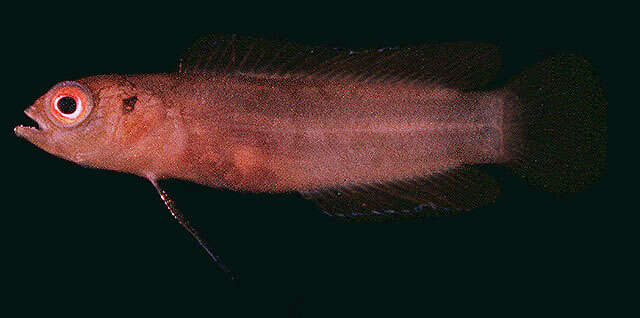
(555, 124)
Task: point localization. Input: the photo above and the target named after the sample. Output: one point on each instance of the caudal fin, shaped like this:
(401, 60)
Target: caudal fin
(555, 124)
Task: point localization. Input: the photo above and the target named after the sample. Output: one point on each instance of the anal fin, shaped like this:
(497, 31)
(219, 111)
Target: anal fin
(449, 192)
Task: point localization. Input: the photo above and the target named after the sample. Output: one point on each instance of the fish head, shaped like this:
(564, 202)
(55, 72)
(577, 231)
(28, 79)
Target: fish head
(97, 121)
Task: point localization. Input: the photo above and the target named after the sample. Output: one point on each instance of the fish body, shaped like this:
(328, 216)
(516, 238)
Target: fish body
(382, 124)
(285, 134)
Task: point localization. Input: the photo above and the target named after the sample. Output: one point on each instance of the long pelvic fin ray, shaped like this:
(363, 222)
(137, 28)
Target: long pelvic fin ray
(170, 204)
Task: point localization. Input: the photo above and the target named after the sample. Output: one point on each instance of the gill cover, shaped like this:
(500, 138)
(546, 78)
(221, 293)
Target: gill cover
(68, 104)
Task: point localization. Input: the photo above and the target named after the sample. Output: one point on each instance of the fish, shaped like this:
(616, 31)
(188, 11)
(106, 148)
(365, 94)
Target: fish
(364, 134)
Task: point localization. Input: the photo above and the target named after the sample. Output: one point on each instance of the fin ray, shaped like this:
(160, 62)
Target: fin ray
(555, 124)
(462, 65)
(449, 192)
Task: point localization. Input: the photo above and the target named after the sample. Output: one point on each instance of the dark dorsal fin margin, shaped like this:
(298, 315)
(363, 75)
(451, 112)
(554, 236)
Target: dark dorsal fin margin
(461, 65)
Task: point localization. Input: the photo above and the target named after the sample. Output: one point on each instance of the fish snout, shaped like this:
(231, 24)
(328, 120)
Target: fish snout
(37, 125)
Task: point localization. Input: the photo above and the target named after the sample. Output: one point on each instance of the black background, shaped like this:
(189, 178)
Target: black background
(85, 241)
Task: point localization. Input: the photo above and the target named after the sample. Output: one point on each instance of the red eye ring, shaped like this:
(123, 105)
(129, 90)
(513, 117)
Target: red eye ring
(69, 104)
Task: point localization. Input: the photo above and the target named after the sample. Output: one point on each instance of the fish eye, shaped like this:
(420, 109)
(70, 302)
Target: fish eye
(69, 104)
(66, 105)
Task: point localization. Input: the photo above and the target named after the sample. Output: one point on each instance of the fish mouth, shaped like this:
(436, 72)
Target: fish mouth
(36, 126)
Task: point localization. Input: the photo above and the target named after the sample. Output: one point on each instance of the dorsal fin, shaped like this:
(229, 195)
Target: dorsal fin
(449, 192)
(462, 65)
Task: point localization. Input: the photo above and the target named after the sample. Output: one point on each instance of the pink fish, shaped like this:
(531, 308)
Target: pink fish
(369, 134)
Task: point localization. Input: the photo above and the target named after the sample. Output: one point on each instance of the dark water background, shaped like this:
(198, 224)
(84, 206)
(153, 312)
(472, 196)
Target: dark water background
(84, 241)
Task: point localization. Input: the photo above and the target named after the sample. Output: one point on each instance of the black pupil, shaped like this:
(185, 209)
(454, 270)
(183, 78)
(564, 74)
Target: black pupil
(67, 105)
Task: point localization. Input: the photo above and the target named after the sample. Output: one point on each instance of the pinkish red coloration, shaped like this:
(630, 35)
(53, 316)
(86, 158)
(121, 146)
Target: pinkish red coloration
(382, 132)
(288, 135)
(343, 122)
(278, 134)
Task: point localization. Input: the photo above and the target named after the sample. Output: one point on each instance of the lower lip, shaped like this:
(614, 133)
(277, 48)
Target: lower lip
(24, 131)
